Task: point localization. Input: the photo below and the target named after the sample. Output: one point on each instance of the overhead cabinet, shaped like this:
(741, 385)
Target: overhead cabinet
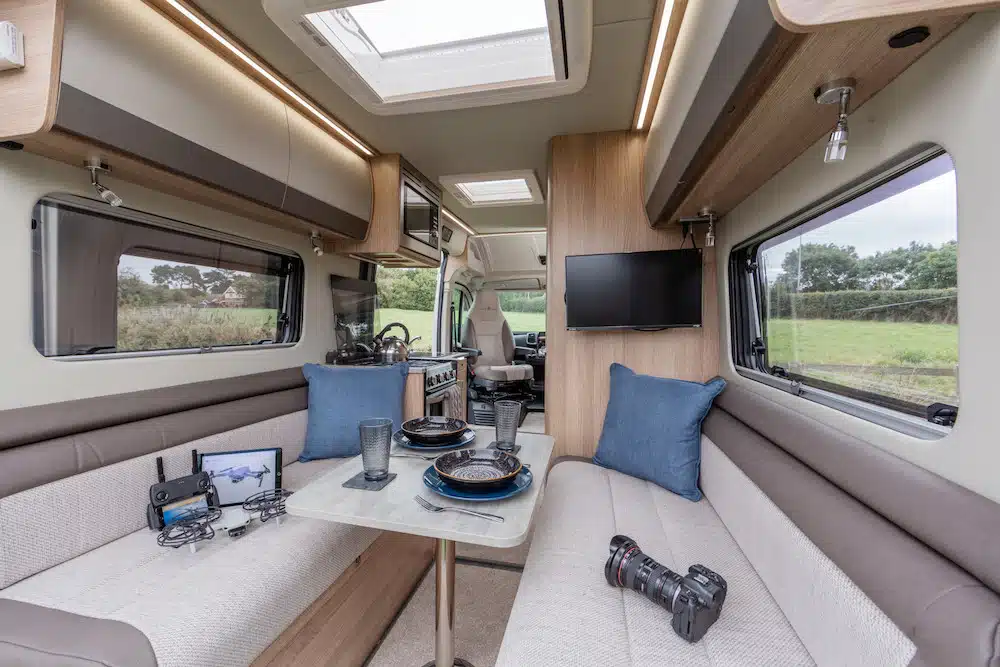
(405, 229)
(163, 110)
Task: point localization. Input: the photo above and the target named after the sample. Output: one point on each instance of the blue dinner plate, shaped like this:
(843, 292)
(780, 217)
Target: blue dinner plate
(434, 482)
(467, 439)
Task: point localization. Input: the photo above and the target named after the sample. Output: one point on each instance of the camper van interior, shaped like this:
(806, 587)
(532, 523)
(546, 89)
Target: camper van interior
(513, 333)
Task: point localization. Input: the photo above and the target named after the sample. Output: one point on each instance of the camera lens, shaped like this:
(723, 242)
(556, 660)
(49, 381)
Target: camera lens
(628, 567)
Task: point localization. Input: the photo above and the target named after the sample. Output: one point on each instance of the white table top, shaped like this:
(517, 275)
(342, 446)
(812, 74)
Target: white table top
(393, 508)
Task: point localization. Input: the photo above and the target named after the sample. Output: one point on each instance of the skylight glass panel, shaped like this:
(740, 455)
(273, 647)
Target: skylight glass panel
(405, 49)
(506, 190)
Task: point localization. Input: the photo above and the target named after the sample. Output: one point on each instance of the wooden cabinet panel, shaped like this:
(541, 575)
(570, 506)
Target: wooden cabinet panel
(463, 385)
(413, 399)
(810, 15)
(28, 96)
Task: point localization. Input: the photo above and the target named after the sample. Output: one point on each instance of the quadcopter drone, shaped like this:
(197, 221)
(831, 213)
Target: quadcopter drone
(237, 474)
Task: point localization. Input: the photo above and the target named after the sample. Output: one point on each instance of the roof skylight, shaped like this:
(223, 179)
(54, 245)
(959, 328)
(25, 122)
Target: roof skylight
(506, 188)
(405, 49)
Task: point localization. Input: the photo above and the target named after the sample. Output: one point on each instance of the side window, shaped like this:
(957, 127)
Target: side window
(107, 283)
(407, 296)
(861, 299)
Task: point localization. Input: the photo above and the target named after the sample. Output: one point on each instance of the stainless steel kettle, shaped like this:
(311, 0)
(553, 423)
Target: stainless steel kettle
(392, 349)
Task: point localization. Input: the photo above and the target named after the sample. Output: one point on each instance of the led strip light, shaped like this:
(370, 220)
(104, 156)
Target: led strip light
(271, 78)
(451, 216)
(655, 63)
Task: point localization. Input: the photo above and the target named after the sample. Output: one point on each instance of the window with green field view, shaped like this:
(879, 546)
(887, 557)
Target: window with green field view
(863, 299)
(407, 296)
(178, 305)
(115, 281)
(524, 310)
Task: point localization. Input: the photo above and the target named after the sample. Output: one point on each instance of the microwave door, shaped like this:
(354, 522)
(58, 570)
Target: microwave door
(419, 217)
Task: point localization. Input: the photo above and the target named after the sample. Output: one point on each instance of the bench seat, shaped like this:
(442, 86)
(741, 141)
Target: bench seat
(219, 606)
(791, 606)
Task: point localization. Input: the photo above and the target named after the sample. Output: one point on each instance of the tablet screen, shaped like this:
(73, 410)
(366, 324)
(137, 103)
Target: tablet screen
(239, 475)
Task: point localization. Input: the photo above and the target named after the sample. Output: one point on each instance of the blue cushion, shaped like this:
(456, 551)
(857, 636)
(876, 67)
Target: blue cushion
(652, 429)
(340, 397)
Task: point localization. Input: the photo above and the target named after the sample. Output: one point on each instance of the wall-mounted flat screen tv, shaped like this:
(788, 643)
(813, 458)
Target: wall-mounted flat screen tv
(637, 290)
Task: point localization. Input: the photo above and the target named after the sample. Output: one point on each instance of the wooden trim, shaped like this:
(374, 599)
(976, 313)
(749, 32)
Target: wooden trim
(28, 96)
(345, 624)
(670, 41)
(774, 117)
(812, 15)
(773, 56)
(167, 10)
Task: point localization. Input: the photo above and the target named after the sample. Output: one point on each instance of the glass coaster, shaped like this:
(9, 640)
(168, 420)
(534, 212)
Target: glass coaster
(514, 451)
(359, 482)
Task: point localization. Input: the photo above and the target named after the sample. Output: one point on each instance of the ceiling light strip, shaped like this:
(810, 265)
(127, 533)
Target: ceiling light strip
(670, 14)
(454, 218)
(522, 232)
(271, 78)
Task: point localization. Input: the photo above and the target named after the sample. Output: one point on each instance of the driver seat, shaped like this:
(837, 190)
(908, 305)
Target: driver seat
(487, 330)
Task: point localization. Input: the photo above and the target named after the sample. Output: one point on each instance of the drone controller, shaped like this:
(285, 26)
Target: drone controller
(191, 492)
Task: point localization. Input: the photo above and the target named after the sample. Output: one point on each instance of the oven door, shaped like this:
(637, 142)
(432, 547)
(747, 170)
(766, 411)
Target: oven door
(436, 403)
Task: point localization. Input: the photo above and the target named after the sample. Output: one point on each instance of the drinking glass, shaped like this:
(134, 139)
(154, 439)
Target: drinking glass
(376, 436)
(508, 418)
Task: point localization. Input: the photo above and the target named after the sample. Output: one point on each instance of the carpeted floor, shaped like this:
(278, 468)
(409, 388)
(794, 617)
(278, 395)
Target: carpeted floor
(483, 600)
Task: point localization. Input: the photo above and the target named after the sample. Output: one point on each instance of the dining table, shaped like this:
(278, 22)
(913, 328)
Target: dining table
(395, 508)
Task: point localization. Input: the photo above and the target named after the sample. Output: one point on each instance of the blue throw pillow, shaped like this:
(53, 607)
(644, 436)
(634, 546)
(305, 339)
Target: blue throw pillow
(340, 397)
(652, 429)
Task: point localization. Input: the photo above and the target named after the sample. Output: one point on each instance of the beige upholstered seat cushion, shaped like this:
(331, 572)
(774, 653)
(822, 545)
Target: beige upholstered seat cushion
(566, 614)
(504, 373)
(218, 607)
(487, 330)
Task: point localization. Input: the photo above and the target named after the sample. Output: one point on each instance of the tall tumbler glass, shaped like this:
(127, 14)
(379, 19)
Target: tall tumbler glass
(508, 418)
(376, 436)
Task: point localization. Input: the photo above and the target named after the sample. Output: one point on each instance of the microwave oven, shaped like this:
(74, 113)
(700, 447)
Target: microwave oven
(420, 210)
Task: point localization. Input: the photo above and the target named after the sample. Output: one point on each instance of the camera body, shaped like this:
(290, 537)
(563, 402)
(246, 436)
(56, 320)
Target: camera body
(694, 600)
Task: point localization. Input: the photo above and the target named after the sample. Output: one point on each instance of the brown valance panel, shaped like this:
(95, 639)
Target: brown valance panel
(24, 426)
(32, 465)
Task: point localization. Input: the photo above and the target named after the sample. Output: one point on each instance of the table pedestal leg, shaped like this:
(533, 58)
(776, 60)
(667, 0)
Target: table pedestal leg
(444, 608)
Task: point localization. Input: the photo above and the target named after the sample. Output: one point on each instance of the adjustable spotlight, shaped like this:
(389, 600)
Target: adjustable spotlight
(94, 165)
(837, 92)
(705, 216)
(317, 243)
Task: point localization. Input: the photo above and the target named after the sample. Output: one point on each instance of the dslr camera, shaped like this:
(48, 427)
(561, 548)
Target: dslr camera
(695, 600)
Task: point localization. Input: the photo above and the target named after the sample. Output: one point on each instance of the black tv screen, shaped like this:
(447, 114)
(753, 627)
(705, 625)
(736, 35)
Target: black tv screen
(638, 290)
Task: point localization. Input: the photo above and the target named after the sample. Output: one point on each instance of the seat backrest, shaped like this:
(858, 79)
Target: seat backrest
(487, 330)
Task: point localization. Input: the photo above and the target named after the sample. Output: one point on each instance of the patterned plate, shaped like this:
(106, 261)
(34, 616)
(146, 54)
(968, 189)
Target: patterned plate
(466, 439)
(477, 469)
(433, 430)
(434, 482)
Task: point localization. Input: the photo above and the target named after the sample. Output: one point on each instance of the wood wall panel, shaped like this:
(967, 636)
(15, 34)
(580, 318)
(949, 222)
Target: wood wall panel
(345, 624)
(810, 15)
(596, 206)
(413, 397)
(28, 96)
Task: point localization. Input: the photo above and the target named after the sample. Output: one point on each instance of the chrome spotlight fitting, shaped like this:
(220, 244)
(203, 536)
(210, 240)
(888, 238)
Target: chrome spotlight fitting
(837, 92)
(317, 243)
(94, 165)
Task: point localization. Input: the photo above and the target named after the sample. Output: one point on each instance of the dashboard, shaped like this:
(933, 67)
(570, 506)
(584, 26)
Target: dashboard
(533, 339)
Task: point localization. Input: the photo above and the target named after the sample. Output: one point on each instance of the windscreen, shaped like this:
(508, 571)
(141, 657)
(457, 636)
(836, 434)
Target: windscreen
(642, 290)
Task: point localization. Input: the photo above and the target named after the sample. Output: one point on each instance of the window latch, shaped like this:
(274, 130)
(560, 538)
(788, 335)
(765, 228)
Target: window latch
(751, 266)
(758, 348)
(779, 372)
(942, 414)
